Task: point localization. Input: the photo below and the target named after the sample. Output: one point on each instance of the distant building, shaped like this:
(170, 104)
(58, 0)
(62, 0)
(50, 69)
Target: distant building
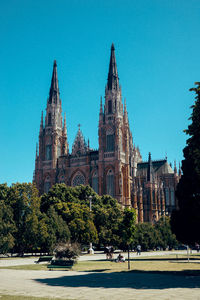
(116, 168)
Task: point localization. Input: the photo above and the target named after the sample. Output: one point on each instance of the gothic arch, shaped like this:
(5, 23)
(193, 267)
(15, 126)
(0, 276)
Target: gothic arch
(78, 178)
(48, 140)
(95, 180)
(108, 168)
(61, 178)
(47, 182)
(110, 181)
(109, 130)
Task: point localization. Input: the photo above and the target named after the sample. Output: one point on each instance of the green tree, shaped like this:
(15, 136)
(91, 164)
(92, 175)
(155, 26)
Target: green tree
(127, 229)
(146, 236)
(186, 220)
(57, 230)
(74, 211)
(25, 203)
(167, 238)
(7, 228)
(7, 225)
(107, 219)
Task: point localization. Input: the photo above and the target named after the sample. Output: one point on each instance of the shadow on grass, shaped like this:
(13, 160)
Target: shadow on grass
(164, 259)
(132, 279)
(139, 258)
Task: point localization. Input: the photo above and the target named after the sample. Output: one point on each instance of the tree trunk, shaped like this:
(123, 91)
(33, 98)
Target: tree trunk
(128, 259)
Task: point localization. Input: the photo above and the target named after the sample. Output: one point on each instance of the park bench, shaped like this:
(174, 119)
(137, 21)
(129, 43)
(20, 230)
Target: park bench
(60, 264)
(44, 259)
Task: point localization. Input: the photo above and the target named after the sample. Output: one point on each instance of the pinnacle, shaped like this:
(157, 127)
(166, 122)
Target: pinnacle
(54, 90)
(150, 169)
(113, 80)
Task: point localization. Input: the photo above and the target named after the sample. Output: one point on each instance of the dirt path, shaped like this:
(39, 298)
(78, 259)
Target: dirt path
(90, 285)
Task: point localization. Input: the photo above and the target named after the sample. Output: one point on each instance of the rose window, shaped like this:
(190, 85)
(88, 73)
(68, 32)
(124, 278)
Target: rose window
(78, 179)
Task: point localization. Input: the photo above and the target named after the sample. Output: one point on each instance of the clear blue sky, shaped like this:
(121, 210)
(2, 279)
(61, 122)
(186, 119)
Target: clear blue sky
(158, 57)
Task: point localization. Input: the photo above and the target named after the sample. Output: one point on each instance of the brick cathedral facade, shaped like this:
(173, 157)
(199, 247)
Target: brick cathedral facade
(116, 168)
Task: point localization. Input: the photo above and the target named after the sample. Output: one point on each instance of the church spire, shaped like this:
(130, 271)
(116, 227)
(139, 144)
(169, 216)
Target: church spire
(36, 155)
(179, 170)
(175, 168)
(113, 80)
(150, 169)
(65, 126)
(125, 112)
(41, 123)
(54, 90)
(101, 109)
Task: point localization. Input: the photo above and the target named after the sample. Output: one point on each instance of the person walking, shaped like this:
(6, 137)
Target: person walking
(138, 250)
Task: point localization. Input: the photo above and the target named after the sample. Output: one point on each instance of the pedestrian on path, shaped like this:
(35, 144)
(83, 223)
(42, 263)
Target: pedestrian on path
(138, 250)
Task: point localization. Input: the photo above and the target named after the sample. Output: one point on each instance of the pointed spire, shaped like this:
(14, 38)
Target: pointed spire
(101, 108)
(54, 90)
(64, 126)
(150, 175)
(125, 112)
(41, 123)
(175, 168)
(79, 146)
(113, 80)
(179, 171)
(36, 151)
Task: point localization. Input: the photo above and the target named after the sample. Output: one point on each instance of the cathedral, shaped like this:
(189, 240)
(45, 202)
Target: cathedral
(116, 168)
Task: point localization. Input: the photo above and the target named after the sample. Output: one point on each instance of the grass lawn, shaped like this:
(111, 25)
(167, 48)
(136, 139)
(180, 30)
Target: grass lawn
(171, 263)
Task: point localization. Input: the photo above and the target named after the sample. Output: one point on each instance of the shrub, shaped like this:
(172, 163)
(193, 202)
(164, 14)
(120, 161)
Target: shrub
(67, 251)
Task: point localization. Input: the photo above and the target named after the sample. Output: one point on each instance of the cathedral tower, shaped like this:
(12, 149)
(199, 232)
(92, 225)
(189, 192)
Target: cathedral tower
(114, 140)
(52, 138)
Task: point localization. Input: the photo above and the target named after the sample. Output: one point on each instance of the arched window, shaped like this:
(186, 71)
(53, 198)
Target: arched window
(172, 197)
(110, 143)
(49, 119)
(58, 149)
(167, 195)
(47, 185)
(78, 179)
(48, 152)
(110, 183)
(95, 183)
(109, 107)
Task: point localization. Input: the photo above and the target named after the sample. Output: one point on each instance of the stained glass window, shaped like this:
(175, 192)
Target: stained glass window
(172, 198)
(78, 179)
(48, 152)
(49, 119)
(167, 196)
(109, 107)
(110, 144)
(58, 150)
(110, 183)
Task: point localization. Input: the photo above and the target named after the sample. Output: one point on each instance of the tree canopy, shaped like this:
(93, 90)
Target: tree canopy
(186, 220)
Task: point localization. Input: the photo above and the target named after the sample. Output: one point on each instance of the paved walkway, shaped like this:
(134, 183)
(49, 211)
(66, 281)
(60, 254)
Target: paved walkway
(96, 285)
(97, 256)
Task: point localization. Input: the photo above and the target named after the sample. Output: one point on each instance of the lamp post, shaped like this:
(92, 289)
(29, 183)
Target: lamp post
(91, 251)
